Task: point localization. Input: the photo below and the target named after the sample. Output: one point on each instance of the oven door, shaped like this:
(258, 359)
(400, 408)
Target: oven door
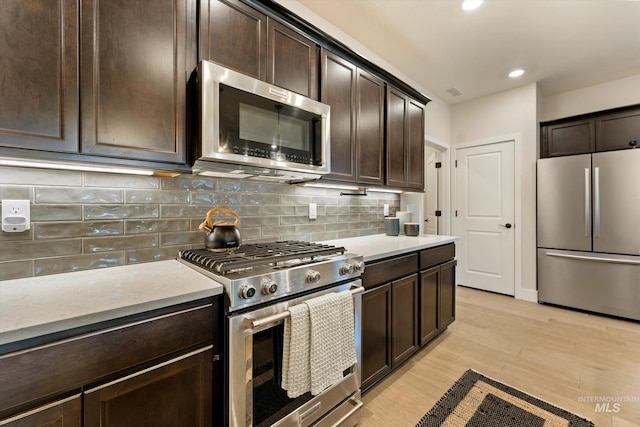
(256, 398)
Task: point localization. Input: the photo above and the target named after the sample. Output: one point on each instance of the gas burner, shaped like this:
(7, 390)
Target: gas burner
(261, 272)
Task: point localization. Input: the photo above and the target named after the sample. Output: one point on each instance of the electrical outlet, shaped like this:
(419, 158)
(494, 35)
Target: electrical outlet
(313, 211)
(16, 216)
(386, 209)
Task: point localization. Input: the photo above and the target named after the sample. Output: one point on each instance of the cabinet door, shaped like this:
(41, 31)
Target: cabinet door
(415, 145)
(338, 91)
(404, 319)
(447, 295)
(136, 61)
(39, 74)
(575, 137)
(376, 335)
(234, 35)
(370, 129)
(429, 282)
(396, 138)
(292, 60)
(618, 131)
(176, 393)
(63, 413)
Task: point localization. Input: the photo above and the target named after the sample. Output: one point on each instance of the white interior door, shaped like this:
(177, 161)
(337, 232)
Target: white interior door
(484, 217)
(431, 193)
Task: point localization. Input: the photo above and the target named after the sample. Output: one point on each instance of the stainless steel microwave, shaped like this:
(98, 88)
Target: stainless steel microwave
(252, 129)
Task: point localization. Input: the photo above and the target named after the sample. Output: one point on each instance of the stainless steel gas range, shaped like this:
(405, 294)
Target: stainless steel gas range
(261, 282)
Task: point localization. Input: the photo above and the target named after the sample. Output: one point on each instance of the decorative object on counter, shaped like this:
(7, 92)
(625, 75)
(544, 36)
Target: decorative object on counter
(480, 401)
(221, 234)
(391, 226)
(411, 228)
(403, 216)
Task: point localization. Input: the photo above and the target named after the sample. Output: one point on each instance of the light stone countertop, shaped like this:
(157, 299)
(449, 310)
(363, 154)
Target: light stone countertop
(37, 306)
(381, 246)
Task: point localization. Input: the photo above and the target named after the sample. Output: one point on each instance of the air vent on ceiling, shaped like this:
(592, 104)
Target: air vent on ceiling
(454, 91)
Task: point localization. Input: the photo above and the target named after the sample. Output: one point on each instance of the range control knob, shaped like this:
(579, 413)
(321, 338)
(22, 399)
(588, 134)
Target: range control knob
(269, 287)
(358, 266)
(346, 269)
(313, 276)
(247, 292)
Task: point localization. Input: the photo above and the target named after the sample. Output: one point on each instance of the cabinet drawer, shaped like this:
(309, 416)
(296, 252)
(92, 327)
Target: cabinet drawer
(438, 255)
(385, 271)
(42, 372)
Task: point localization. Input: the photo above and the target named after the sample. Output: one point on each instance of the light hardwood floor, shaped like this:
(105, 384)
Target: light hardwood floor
(558, 355)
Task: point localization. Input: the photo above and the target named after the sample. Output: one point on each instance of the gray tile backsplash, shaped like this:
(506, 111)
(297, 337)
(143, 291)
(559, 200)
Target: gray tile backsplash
(83, 220)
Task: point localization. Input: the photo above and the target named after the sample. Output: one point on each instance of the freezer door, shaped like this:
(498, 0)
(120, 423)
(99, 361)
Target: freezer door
(616, 202)
(564, 202)
(603, 283)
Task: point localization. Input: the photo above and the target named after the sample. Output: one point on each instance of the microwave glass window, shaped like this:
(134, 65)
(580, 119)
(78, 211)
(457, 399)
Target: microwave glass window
(274, 128)
(252, 125)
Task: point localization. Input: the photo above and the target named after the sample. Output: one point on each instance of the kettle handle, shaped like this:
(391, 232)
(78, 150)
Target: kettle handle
(221, 210)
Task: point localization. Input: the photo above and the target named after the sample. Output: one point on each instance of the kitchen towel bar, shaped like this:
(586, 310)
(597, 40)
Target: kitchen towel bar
(281, 316)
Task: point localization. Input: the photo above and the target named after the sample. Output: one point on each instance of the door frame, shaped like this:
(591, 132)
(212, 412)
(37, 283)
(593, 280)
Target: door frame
(444, 187)
(524, 294)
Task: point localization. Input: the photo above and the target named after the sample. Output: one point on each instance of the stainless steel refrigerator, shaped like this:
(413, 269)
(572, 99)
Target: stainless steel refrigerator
(588, 229)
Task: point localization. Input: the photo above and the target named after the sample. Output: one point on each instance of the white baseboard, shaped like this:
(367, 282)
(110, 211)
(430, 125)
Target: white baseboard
(527, 295)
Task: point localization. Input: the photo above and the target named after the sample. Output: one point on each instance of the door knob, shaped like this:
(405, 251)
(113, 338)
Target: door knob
(507, 225)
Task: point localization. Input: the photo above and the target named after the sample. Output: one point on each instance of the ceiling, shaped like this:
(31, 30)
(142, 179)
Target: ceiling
(562, 44)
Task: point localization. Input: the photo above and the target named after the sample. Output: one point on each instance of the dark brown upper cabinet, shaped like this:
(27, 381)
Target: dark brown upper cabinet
(356, 99)
(618, 131)
(136, 61)
(39, 75)
(405, 141)
(243, 39)
(338, 91)
(234, 35)
(292, 62)
(574, 137)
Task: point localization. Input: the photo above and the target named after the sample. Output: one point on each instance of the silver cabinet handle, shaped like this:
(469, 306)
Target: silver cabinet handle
(587, 202)
(595, 259)
(596, 199)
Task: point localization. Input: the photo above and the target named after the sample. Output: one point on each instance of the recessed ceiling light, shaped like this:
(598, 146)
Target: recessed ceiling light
(516, 73)
(471, 4)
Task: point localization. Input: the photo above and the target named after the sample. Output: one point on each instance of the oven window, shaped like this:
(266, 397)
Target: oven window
(271, 128)
(270, 401)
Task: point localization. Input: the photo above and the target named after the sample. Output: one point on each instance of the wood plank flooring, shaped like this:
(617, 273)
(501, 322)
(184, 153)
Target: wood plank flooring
(562, 356)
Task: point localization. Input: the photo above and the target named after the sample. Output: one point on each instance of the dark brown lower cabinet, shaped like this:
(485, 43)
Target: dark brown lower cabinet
(409, 300)
(437, 300)
(62, 413)
(175, 393)
(376, 334)
(404, 318)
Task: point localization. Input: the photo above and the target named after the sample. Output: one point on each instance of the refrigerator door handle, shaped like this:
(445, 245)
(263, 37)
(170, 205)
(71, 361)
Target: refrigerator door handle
(596, 199)
(587, 202)
(596, 259)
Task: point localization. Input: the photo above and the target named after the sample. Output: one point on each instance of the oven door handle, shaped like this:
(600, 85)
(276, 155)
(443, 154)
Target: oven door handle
(254, 323)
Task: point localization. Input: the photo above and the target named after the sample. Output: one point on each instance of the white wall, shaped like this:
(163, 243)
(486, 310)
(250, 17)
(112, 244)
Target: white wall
(513, 112)
(613, 94)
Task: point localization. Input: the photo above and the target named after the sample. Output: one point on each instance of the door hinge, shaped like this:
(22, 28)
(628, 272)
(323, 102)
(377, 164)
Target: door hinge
(438, 213)
(438, 165)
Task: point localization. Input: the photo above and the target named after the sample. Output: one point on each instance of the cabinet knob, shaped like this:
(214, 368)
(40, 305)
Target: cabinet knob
(507, 225)
(633, 143)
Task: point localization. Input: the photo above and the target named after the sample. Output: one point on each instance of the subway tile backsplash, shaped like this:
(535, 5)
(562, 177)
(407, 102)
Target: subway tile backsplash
(83, 220)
